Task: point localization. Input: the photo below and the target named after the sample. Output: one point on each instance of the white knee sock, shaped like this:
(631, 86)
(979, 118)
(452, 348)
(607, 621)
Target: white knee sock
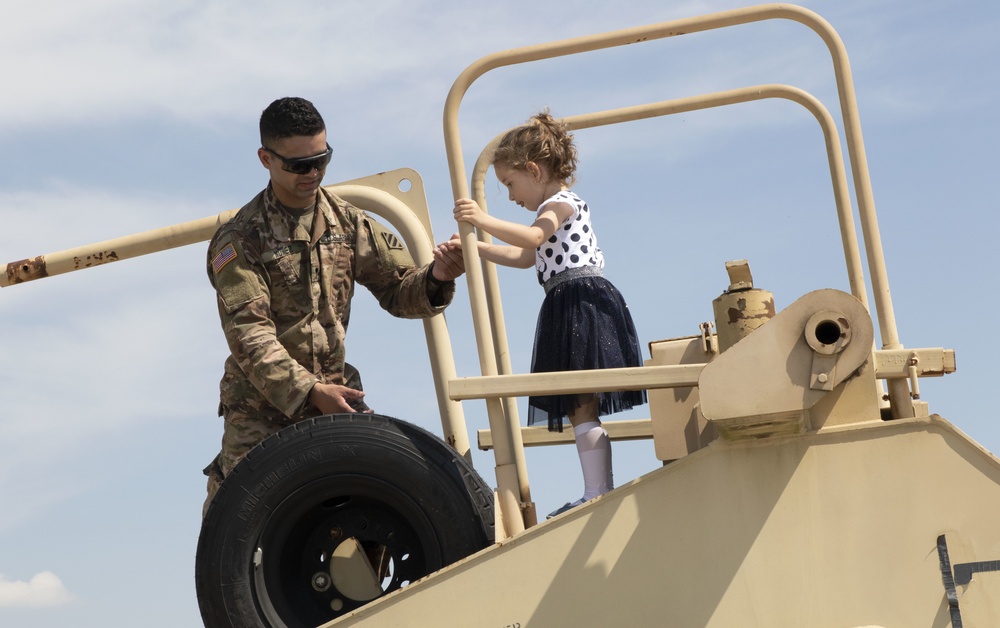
(594, 448)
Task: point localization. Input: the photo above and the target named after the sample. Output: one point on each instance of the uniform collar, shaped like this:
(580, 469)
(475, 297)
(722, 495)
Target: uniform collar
(282, 222)
(325, 204)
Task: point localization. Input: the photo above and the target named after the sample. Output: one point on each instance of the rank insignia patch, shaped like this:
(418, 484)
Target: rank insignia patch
(225, 256)
(392, 241)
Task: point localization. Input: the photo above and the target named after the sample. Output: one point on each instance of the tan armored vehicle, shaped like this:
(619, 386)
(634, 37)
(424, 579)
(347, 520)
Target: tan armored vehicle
(805, 482)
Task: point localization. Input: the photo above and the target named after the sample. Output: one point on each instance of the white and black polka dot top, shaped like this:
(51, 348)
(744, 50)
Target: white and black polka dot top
(573, 245)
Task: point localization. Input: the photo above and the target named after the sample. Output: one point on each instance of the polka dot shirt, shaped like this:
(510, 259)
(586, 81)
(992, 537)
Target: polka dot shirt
(574, 243)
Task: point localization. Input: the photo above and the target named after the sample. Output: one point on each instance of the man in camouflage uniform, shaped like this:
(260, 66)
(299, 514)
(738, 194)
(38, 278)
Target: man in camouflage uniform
(284, 270)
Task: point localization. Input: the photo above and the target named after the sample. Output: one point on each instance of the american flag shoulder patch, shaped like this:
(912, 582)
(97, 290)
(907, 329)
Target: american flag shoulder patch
(226, 255)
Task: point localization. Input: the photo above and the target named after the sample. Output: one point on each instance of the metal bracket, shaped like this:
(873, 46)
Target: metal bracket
(827, 332)
(709, 341)
(964, 571)
(962, 575)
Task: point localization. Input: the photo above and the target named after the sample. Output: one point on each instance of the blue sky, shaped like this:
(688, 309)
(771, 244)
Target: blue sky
(120, 117)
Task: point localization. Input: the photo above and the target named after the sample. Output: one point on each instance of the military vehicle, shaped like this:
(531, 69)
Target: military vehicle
(805, 481)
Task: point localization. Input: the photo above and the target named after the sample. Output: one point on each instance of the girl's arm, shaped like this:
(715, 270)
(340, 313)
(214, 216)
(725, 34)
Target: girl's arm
(528, 237)
(513, 256)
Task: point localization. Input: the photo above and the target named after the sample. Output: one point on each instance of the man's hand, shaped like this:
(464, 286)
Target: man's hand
(333, 398)
(449, 262)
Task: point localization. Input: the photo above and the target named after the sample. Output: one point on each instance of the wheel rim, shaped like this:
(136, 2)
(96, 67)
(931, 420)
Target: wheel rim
(332, 546)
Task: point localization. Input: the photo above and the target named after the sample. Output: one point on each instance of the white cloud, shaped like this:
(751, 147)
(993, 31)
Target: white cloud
(115, 59)
(44, 589)
(189, 59)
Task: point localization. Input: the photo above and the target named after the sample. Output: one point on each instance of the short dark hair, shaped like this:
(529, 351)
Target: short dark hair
(289, 117)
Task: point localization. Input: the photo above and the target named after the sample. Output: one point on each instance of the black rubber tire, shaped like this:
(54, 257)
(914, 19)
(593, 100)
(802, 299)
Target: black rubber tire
(268, 539)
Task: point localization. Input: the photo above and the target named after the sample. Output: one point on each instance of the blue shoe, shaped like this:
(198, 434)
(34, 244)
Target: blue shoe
(560, 510)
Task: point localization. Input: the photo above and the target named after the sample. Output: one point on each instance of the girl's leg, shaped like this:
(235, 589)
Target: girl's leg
(594, 449)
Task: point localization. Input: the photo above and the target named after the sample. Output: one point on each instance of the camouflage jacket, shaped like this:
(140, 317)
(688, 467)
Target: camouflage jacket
(284, 298)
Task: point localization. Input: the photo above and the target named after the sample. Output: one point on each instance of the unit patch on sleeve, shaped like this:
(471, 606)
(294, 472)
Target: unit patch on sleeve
(226, 255)
(392, 242)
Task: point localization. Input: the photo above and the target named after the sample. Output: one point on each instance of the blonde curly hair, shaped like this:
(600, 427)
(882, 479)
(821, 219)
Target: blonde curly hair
(543, 140)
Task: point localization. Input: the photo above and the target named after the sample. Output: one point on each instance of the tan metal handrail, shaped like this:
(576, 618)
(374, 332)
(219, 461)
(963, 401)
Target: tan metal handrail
(506, 433)
(379, 194)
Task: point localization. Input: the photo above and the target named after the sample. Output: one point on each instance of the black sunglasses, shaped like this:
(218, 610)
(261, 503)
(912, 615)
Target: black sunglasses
(303, 165)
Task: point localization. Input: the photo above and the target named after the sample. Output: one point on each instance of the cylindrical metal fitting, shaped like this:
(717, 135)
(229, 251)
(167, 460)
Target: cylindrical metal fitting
(741, 308)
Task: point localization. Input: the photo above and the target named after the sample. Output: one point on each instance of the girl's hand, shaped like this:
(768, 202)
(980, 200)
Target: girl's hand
(449, 262)
(467, 210)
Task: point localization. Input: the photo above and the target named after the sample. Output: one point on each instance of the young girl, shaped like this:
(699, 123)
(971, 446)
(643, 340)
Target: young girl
(584, 322)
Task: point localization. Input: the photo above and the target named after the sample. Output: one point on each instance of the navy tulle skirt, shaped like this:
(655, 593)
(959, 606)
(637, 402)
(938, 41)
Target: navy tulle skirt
(584, 323)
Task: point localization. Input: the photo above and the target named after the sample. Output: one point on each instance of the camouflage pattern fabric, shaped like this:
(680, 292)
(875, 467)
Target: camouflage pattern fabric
(284, 298)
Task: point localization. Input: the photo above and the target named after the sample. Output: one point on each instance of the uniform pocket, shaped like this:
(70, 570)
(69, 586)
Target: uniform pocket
(285, 263)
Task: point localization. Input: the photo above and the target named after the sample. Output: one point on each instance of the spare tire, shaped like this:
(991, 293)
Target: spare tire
(331, 513)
